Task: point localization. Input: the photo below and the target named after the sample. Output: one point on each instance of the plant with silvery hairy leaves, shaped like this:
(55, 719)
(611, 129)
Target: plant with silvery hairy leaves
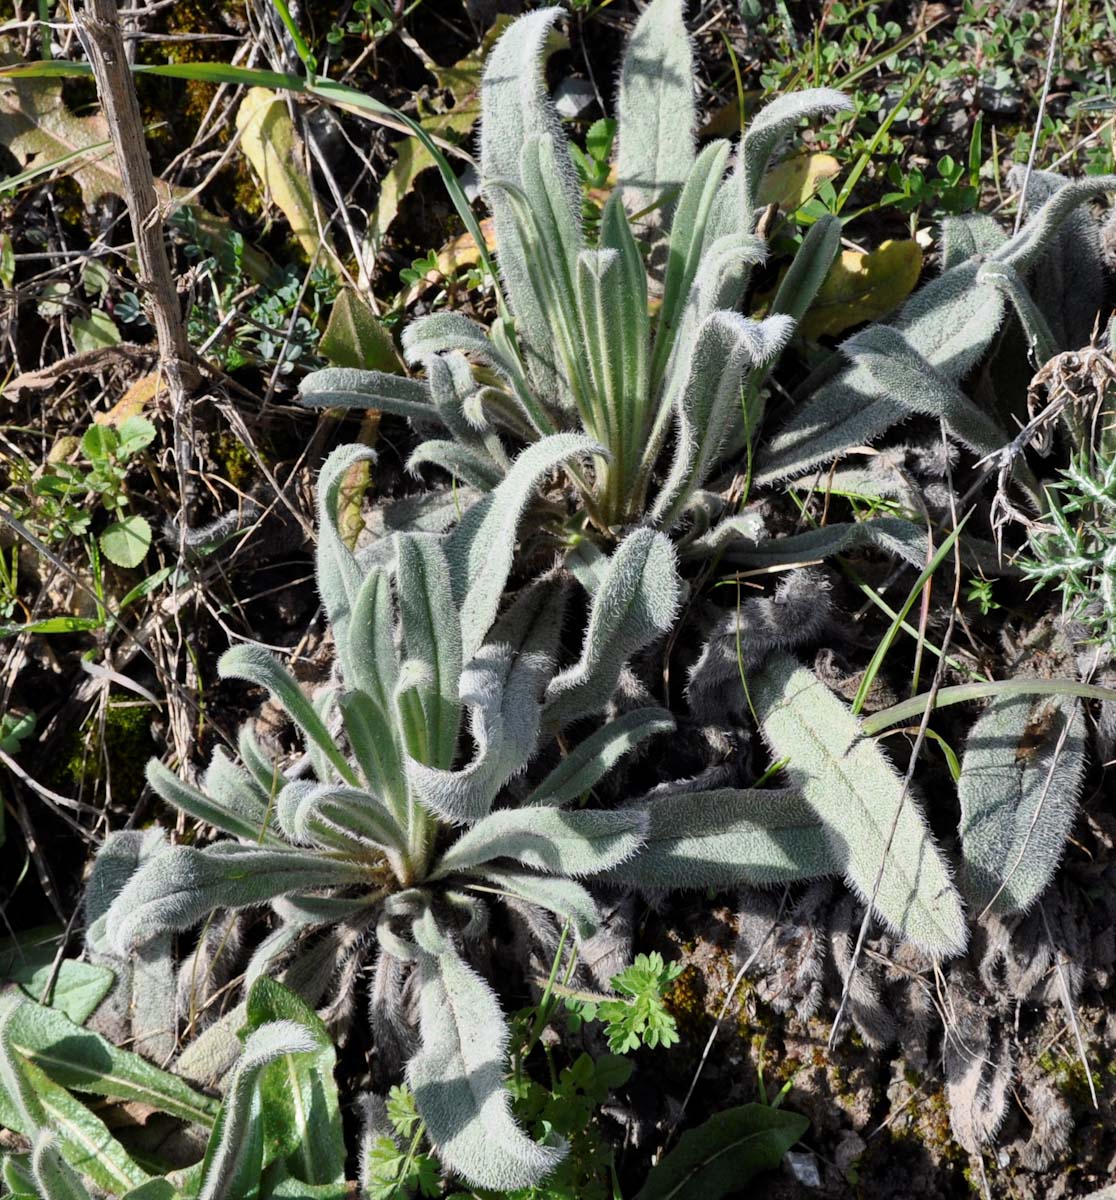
(391, 833)
(575, 345)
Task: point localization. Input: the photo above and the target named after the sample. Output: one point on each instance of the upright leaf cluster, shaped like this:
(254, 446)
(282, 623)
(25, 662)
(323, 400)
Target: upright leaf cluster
(575, 346)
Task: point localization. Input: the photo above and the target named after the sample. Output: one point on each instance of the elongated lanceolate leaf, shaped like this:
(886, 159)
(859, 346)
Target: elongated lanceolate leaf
(462, 462)
(432, 636)
(235, 1154)
(727, 838)
(347, 387)
(1021, 777)
(480, 550)
(54, 1177)
(31, 1102)
(967, 235)
(514, 109)
(733, 539)
(808, 268)
(299, 1105)
(339, 577)
(578, 843)
(178, 888)
(656, 110)
(79, 1059)
(714, 1160)
(569, 901)
(592, 759)
(457, 1077)
(708, 404)
(249, 825)
(259, 666)
(369, 659)
(502, 690)
(635, 603)
(857, 794)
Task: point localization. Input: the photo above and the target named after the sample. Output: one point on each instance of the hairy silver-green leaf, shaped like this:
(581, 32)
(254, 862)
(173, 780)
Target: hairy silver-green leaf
(348, 387)
(729, 837)
(684, 252)
(708, 403)
(578, 843)
(734, 211)
(1021, 776)
(900, 371)
(54, 1177)
(259, 666)
(1040, 339)
(369, 659)
(566, 899)
(967, 235)
(235, 1154)
(432, 636)
(344, 817)
(457, 1077)
(857, 794)
(501, 690)
(299, 1103)
(462, 462)
(734, 538)
(656, 110)
(515, 108)
(592, 759)
(338, 575)
(179, 887)
(808, 268)
(635, 603)
(481, 548)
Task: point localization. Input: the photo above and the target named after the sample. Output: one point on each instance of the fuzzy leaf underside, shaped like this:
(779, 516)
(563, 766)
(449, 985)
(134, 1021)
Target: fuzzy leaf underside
(730, 837)
(732, 539)
(856, 793)
(1018, 798)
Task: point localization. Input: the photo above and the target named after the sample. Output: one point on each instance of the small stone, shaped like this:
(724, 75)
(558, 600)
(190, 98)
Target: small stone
(574, 98)
(804, 1168)
(848, 1150)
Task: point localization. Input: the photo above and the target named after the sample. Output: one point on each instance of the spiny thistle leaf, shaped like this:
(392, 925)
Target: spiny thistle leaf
(457, 1078)
(1021, 776)
(857, 795)
(727, 838)
(635, 603)
(575, 844)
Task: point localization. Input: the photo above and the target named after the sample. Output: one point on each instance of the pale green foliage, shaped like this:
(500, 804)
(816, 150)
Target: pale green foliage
(1021, 776)
(392, 831)
(859, 799)
(640, 1016)
(916, 362)
(277, 1132)
(582, 351)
